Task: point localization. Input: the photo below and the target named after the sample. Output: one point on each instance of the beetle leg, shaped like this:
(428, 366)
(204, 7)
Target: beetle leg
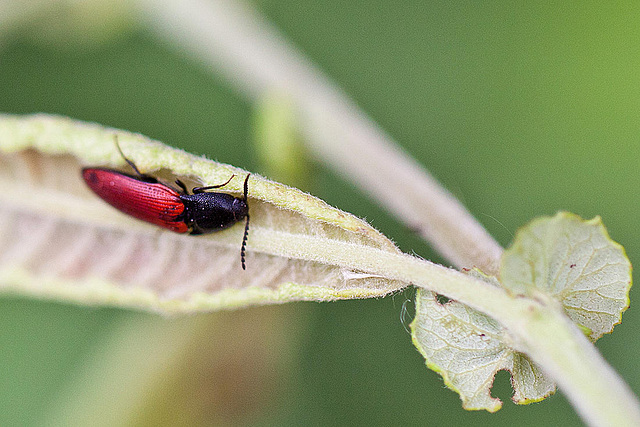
(133, 165)
(202, 189)
(181, 185)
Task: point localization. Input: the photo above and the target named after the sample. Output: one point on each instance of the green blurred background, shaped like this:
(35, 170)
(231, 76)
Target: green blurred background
(520, 108)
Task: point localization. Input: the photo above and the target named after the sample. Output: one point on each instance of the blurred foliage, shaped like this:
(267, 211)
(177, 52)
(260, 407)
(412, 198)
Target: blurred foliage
(520, 109)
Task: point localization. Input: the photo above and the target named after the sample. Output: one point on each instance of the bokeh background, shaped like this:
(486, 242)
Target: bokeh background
(521, 109)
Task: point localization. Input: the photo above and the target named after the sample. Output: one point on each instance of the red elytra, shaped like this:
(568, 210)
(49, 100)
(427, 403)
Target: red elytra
(149, 201)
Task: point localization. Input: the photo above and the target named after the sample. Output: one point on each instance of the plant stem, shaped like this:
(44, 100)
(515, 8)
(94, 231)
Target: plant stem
(234, 40)
(593, 387)
(538, 326)
(237, 42)
(14, 13)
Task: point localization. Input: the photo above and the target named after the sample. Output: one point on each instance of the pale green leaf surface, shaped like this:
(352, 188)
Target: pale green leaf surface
(58, 240)
(561, 258)
(468, 348)
(574, 262)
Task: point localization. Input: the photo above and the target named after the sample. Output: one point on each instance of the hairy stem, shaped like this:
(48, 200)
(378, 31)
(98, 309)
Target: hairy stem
(539, 326)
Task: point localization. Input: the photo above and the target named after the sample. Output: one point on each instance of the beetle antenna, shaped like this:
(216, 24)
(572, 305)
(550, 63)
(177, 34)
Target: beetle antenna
(133, 165)
(244, 243)
(246, 187)
(246, 226)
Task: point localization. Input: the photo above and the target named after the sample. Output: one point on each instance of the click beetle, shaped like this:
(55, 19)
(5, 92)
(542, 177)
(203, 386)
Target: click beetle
(144, 197)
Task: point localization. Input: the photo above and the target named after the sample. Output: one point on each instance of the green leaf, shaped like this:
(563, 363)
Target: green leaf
(561, 258)
(468, 348)
(574, 262)
(58, 240)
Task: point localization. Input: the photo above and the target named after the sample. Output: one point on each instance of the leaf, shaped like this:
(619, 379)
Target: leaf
(468, 348)
(58, 240)
(562, 258)
(574, 262)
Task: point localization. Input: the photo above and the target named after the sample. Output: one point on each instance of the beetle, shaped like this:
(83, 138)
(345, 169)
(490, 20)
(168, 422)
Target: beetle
(145, 197)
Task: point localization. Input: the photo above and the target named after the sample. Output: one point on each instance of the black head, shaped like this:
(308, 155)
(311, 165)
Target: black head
(239, 208)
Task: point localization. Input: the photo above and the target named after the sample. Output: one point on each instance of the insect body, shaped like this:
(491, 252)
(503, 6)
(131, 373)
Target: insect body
(144, 197)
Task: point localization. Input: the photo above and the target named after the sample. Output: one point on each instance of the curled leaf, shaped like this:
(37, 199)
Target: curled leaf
(58, 240)
(576, 263)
